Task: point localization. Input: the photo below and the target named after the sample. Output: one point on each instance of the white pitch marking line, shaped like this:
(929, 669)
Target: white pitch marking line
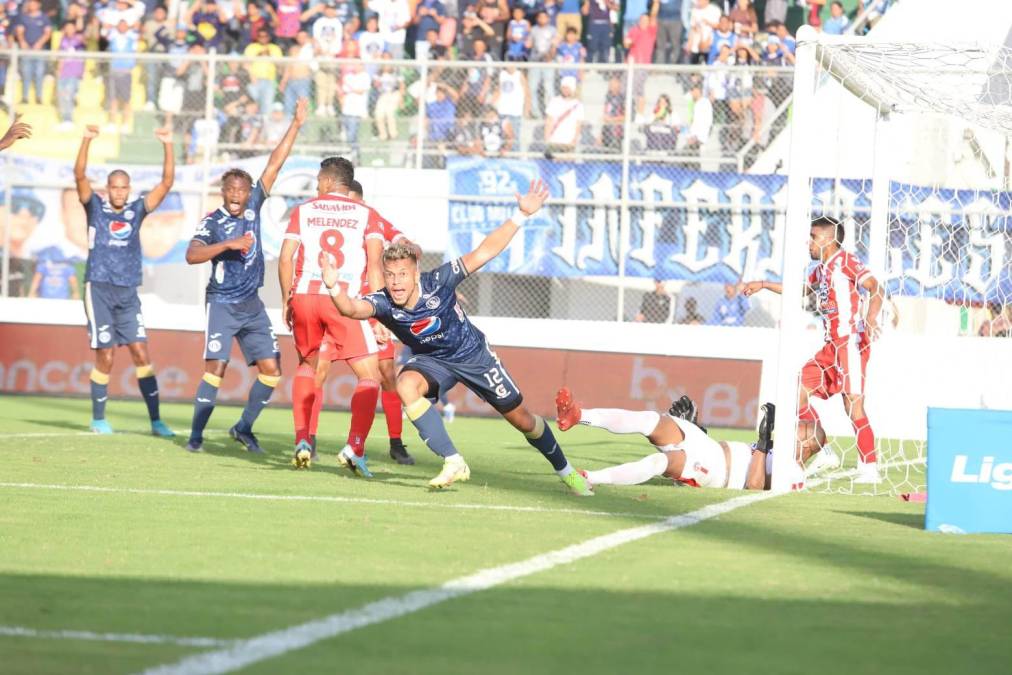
(277, 643)
(21, 631)
(324, 498)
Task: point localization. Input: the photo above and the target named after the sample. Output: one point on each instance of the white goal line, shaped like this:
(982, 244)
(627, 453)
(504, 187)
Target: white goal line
(325, 499)
(136, 638)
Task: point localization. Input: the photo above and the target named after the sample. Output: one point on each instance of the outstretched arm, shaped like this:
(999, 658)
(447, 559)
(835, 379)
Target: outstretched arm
(497, 240)
(81, 165)
(352, 308)
(17, 131)
(158, 192)
(753, 287)
(280, 154)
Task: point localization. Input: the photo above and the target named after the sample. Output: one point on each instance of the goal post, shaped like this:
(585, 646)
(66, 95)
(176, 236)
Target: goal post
(908, 146)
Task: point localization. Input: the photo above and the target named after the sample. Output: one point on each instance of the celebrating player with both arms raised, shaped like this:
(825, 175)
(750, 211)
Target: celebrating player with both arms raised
(422, 311)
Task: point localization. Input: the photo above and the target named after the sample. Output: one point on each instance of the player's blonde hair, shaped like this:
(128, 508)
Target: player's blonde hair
(400, 252)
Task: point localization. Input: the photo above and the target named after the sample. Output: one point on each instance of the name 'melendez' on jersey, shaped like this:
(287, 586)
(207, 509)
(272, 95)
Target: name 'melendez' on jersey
(338, 226)
(234, 276)
(437, 325)
(837, 297)
(114, 244)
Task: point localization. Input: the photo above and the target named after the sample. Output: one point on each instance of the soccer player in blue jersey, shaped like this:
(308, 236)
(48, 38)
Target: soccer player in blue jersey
(422, 311)
(112, 275)
(230, 238)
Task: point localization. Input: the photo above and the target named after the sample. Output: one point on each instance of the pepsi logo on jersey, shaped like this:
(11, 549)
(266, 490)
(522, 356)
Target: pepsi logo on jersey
(120, 230)
(427, 326)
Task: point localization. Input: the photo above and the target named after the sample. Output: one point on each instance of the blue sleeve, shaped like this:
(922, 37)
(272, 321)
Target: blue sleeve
(140, 210)
(257, 197)
(203, 232)
(449, 274)
(380, 305)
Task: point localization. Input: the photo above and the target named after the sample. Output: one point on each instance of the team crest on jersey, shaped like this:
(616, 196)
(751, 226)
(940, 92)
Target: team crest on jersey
(432, 303)
(128, 214)
(120, 230)
(249, 215)
(424, 327)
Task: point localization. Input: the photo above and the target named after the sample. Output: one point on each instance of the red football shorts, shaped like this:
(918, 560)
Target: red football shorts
(839, 367)
(314, 317)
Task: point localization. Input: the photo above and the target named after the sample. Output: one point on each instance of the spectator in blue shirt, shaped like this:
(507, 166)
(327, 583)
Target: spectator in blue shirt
(724, 35)
(120, 82)
(429, 15)
(32, 31)
(569, 17)
(837, 22)
(55, 276)
(634, 9)
(731, 309)
(440, 115)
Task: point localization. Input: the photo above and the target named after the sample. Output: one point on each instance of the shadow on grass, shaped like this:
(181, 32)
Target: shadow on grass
(914, 520)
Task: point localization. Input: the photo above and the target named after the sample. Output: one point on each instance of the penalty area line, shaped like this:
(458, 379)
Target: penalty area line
(277, 643)
(137, 638)
(325, 499)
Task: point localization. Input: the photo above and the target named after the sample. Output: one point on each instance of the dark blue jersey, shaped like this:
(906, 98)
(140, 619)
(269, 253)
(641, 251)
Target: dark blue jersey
(234, 276)
(114, 244)
(437, 326)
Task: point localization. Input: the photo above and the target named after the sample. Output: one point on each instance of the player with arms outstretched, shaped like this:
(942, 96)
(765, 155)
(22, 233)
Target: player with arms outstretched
(388, 383)
(839, 367)
(349, 234)
(422, 311)
(112, 275)
(230, 238)
(685, 453)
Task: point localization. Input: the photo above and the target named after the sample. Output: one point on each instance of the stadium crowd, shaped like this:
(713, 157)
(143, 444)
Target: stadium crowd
(469, 110)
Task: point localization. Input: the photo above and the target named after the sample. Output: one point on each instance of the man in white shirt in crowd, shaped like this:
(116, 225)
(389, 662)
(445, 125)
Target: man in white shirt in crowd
(702, 121)
(565, 118)
(327, 41)
(394, 19)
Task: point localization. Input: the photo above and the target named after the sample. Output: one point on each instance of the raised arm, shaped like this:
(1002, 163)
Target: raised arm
(497, 240)
(17, 131)
(280, 154)
(353, 308)
(158, 192)
(81, 165)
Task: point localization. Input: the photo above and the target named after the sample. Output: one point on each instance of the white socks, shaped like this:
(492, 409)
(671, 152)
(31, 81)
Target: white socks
(619, 421)
(632, 473)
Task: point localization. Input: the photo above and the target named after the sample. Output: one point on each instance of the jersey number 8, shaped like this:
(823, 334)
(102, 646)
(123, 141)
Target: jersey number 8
(331, 242)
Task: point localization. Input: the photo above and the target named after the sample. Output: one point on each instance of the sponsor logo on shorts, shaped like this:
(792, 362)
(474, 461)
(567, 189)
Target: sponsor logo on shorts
(215, 336)
(120, 230)
(424, 327)
(432, 303)
(203, 400)
(214, 346)
(501, 391)
(104, 336)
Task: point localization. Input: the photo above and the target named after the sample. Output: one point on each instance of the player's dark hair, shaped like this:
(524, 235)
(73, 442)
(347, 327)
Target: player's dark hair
(838, 229)
(400, 252)
(236, 173)
(356, 187)
(340, 169)
(117, 172)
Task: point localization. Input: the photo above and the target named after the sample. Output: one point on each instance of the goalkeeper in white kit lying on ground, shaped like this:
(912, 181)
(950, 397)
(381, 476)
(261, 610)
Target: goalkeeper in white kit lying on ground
(685, 453)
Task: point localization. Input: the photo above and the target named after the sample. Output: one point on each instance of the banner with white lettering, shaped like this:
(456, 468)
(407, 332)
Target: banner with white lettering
(723, 227)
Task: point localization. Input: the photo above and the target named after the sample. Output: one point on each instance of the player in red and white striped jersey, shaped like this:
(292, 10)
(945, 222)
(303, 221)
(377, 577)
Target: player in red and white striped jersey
(389, 398)
(837, 283)
(351, 234)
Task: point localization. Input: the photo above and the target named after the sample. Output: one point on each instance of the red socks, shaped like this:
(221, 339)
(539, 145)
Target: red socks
(865, 440)
(314, 420)
(303, 400)
(392, 410)
(363, 412)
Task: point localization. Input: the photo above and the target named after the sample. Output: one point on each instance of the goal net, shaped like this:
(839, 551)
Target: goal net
(907, 146)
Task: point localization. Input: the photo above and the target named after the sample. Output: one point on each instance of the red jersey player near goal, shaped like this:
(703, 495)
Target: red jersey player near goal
(839, 367)
(350, 233)
(388, 383)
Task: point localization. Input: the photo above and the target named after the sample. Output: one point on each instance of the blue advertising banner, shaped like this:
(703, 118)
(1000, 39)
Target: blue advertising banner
(727, 227)
(969, 471)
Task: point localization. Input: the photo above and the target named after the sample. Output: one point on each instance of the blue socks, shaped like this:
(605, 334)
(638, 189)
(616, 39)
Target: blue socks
(203, 405)
(99, 393)
(148, 385)
(259, 395)
(541, 437)
(430, 427)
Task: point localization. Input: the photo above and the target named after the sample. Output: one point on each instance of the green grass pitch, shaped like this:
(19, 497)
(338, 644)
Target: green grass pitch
(174, 544)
